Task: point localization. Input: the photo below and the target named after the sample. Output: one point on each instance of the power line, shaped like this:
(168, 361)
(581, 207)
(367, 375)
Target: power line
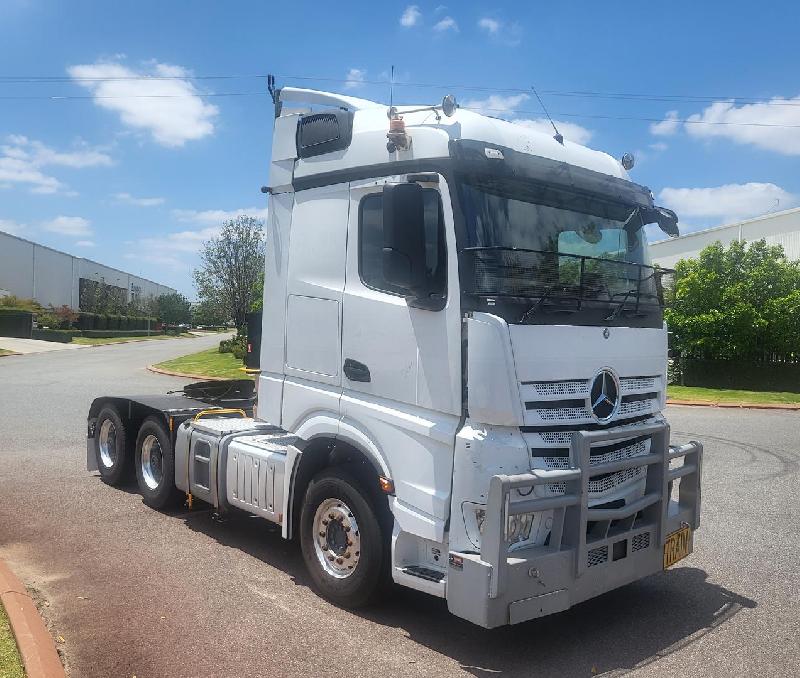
(664, 98)
(481, 109)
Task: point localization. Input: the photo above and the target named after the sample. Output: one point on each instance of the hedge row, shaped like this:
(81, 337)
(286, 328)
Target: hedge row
(106, 334)
(99, 321)
(61, 336)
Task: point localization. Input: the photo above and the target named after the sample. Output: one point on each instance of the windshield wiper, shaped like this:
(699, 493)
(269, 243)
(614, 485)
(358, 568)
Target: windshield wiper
(532, 310)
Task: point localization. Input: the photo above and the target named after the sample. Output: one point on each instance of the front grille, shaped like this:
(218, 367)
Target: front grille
(607, 482)
(563, 403)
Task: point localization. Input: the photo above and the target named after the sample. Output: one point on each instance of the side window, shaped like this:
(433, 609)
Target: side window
(370, 254)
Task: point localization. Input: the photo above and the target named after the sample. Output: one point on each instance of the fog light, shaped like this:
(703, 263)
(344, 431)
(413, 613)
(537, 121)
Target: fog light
(518, 528)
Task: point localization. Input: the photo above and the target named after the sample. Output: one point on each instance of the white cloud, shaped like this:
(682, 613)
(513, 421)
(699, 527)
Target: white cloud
(85, 243)
(503, 31)
(659, 146)
(668, 126)
(72, 226)
(496, 105)
(216, 217)
(355, 78)
(22, 161)
(446, 24)
(737, 124)
(491, 26)
(570, 131)
(731, 202)
(139, 202)
(169, 110)
(9, 226)
(411, 16)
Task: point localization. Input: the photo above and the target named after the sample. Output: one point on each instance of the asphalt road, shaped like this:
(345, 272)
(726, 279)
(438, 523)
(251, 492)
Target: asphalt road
(136, 592)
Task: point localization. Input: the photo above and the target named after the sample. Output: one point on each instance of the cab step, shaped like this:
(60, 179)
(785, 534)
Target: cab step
(425, 573)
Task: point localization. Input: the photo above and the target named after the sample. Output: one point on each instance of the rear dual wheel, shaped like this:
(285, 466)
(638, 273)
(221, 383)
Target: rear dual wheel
(155, 465)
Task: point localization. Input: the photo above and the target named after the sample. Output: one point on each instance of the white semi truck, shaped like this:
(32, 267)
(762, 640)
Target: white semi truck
(463, 369)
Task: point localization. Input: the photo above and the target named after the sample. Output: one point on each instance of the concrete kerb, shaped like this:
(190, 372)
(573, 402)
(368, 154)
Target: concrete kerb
(734, 405)
(35, 644)
(170, 373)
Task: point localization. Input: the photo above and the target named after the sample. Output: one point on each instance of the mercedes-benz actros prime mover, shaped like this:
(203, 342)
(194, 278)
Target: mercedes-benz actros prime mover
(463, 369)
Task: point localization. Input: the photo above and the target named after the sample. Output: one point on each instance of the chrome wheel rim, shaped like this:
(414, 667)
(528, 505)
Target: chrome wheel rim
(152, 462)
(337, 539)
(107, 440)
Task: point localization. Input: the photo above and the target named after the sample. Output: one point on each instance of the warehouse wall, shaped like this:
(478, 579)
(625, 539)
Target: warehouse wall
(52, 278)
(780, 228)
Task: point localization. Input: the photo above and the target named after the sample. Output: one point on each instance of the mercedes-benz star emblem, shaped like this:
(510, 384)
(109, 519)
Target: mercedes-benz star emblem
(604, 396)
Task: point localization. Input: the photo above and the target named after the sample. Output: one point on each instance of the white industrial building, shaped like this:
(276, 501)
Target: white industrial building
(33, 271)
(777, 228)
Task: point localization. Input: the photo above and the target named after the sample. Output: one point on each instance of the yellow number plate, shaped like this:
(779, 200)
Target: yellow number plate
(677, 546)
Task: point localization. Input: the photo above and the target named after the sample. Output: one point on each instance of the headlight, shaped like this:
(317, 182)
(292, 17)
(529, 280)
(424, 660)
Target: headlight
(518, 528)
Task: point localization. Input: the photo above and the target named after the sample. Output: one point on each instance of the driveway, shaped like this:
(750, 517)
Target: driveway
(25, 346)
(137, 592)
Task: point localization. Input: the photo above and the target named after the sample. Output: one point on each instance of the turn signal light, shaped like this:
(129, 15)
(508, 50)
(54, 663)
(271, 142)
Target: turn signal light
(386, 485)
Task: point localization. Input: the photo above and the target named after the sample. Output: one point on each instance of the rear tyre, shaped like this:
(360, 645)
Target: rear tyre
(155, 465)
(345, 548)
(111, 447)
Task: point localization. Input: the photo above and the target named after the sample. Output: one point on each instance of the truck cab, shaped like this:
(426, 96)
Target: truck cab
(464, 351)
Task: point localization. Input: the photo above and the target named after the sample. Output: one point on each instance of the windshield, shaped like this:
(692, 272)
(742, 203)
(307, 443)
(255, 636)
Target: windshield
(549, 251)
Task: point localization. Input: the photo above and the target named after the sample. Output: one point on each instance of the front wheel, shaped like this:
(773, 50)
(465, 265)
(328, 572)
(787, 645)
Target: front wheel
(344, 546)
(155, 465)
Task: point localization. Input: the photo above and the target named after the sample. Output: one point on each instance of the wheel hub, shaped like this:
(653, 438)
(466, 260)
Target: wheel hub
(152, 462)
(107, 441)
(337, 539)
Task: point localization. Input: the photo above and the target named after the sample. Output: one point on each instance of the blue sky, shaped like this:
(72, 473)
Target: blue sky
(138, 182)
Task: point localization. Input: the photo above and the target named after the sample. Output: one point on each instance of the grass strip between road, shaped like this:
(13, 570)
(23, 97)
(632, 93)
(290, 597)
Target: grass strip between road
(99, 341)
(5, 351)
(724, 395)
(208, 363)
(10, 661)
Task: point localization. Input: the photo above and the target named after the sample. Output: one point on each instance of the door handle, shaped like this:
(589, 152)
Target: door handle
(356, 371)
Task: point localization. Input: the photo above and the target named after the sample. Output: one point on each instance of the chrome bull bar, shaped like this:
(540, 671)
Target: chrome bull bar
(571, 512)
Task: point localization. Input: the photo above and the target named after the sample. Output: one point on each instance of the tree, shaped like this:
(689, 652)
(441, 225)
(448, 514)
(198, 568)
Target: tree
(230, 266)
(739, 303)
(208, 313)
(174, 309)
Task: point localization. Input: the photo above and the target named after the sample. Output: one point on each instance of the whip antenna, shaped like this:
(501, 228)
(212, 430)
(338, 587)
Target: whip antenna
(557, 136)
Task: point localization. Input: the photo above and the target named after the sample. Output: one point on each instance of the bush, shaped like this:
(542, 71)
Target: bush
(48, 320)
(236, 345)
(12, 301)
(61, 336)
(106, 334)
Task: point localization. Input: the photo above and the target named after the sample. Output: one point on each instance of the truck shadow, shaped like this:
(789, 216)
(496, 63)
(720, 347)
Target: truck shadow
(609, 635)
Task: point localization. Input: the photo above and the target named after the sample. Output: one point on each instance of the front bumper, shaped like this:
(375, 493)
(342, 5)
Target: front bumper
(590, 550)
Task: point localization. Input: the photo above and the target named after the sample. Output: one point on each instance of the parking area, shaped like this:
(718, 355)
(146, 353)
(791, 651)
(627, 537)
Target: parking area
(135, 592)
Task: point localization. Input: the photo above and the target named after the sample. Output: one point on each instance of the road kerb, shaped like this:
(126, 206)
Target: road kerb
(735, 405)
(170, 373)
(35, 644)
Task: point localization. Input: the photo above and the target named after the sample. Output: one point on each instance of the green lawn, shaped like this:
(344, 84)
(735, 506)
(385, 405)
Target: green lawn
(98, 341)
(723, 395)
(210, 363)
(10, 663)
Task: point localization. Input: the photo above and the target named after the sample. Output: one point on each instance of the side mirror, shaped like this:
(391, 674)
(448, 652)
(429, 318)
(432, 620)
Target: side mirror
(666, 219)
(404, 237)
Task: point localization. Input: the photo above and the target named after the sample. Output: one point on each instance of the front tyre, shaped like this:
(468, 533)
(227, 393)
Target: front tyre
(345, 549)
(155, 465)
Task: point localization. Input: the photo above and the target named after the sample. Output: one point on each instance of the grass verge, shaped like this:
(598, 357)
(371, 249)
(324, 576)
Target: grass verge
(208, 363)
(5, 351)
(724, 395)
(10, 662)
(99, 341)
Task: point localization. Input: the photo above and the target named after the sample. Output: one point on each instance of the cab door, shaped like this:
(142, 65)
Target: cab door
(401, 365)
